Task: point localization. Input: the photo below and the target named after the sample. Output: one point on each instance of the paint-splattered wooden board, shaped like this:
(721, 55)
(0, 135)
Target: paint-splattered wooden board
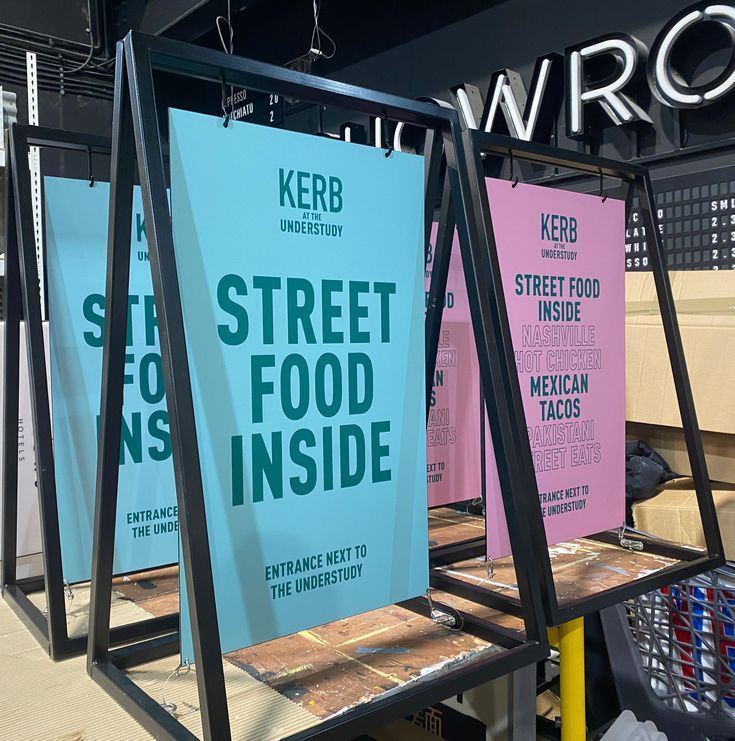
(347, 662)
(448, 526)
(581, 569)
(155, 591)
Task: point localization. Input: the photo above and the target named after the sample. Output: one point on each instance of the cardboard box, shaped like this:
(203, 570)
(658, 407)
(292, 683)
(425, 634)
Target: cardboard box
(669, 442)
(705, 303)
(673, 514)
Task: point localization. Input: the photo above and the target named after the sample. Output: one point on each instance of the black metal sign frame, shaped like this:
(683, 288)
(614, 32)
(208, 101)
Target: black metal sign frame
(492, 333)
(22, 298)
(136, 135)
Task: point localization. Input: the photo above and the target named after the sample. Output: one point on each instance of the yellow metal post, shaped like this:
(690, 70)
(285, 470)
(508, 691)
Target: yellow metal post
(571, 664)
(553, 634)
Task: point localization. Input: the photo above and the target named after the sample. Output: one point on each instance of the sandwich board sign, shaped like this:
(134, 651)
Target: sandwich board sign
(453, 462)
(300, 267)
(560, 256)
(146, 532)
(29, 521)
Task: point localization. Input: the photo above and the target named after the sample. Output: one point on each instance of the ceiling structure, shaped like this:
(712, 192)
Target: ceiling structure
(74, 40)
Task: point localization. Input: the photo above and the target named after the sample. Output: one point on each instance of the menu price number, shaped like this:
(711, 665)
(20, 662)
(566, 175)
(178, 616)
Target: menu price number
(256, 107)
(696, 219)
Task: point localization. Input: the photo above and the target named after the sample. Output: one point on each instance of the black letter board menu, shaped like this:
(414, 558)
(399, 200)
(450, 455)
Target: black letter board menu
(696, 214)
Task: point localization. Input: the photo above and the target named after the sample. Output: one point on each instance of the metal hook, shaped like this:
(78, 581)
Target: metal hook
(389, 152)
(513, 176)
(603, 195)
(629, 543)
(442, 616)
(225, 112)
(90, 176)
(489, 568)
(181, 670)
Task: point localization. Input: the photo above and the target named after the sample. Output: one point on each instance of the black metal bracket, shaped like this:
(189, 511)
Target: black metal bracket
(136, 134)
(22, 299)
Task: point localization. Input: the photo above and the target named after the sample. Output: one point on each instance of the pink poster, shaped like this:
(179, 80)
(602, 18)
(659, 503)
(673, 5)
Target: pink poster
(561, 260)
(453, 431)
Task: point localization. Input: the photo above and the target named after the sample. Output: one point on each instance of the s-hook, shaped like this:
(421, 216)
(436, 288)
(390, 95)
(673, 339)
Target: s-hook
(225, 112)
(388, 143)
(603, 195)
(90, 175)
(513, 176)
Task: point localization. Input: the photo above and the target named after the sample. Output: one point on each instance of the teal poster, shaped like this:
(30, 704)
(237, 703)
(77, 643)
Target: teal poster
(300, 263)
(146, 532)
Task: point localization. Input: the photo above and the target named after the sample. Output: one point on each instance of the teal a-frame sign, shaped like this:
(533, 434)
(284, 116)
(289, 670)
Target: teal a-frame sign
(300, 264)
